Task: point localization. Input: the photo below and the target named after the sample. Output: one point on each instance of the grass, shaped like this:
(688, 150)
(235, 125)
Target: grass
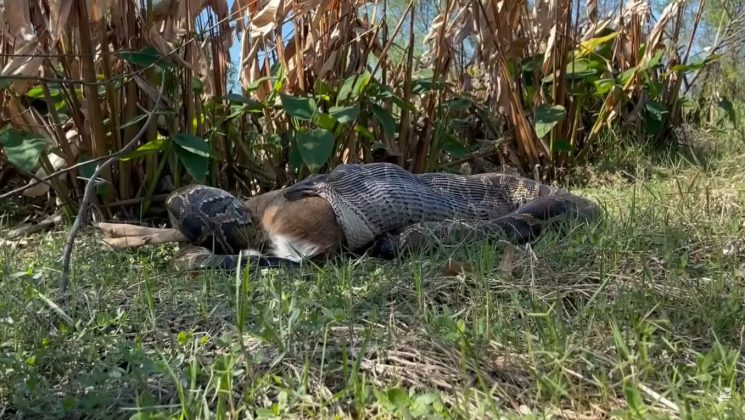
(640, 316)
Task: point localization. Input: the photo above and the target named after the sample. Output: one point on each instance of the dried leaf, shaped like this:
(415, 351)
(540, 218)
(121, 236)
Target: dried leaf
(267, 19)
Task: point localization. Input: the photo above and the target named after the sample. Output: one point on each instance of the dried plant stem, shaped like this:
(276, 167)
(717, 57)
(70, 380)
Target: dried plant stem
(90, 188)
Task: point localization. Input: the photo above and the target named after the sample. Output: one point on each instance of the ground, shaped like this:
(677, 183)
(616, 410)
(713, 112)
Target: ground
(639, 315)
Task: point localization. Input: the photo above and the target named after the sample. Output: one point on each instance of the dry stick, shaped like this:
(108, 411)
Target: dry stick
(90, 190)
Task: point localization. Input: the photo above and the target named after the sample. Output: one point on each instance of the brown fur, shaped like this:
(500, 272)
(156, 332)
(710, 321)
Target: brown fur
(310, 219)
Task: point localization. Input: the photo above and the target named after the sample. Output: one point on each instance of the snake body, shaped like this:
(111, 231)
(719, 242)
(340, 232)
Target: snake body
(380, 207)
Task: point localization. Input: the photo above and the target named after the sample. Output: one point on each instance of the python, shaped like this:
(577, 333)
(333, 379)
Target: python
(379, 209)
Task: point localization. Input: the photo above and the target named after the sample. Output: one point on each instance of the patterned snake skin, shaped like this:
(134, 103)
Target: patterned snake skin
(385, 208)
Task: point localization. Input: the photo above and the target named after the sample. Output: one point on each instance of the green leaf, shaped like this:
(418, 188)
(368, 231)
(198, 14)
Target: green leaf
(626, 75)
(158, 145)
(589, 46)
(353, 86)
(654, 61)
(325, 121)
(384, 92)
(196, 165)
(193, 152)
(192, 144)
(364, 132)
(695, 66)
(656, 110)
(38, 92)
(546, 117)
(581, 68)
(345, 114)
(423, 86)
(578, 69)
(398, 398)
(562, 146)
(251, 105)
(296, 161)
(315, 147)
(531, 64)
(300, 108)
(279, 74)
(458, 104)
(603, 86)
(654, 116)
(386, 120)
(453, 146)
(144, 58)
(22, 149)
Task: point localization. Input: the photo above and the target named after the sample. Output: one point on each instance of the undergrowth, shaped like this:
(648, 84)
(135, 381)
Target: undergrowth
(638, 316)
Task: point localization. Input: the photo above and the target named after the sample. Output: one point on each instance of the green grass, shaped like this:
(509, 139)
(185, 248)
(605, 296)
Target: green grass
(640, 316)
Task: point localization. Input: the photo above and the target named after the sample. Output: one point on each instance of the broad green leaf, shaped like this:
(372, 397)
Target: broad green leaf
(386, 120)
(603, 86)
(458, 104)
(533, 63)
(345, 114)
(144, 58)
(654, 116)
(423, 86)
(196, 165)
(192, 144)
(193, 152)
(398, 398)
(256, 83)
(364, 132)
(353, 86)
(453, 146)
(581, 68)
(296, 161)
(656, 109)
(315, 147)
(37, 92)
(325, 121)
(578, 69)
(654, 61)
(562, 146)
(384, 92)
(300, 108)
(252, 105)
(21, 148)
(383, 400)
(624, 77)
(546, 117)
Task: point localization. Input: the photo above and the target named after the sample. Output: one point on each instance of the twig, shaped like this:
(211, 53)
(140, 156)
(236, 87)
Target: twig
(90, 188)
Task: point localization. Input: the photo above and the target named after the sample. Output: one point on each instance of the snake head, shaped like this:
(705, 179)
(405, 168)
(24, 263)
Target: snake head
(212, 218)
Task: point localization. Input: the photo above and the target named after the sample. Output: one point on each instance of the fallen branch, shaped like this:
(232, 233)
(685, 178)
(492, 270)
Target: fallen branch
(123, 236)
(90, 188)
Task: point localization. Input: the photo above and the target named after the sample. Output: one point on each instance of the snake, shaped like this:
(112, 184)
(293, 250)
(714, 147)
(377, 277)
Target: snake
(379, 209)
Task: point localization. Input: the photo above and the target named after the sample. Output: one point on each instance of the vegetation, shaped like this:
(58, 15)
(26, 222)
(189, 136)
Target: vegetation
(639, 103)
(638, 317)
(327, 83)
